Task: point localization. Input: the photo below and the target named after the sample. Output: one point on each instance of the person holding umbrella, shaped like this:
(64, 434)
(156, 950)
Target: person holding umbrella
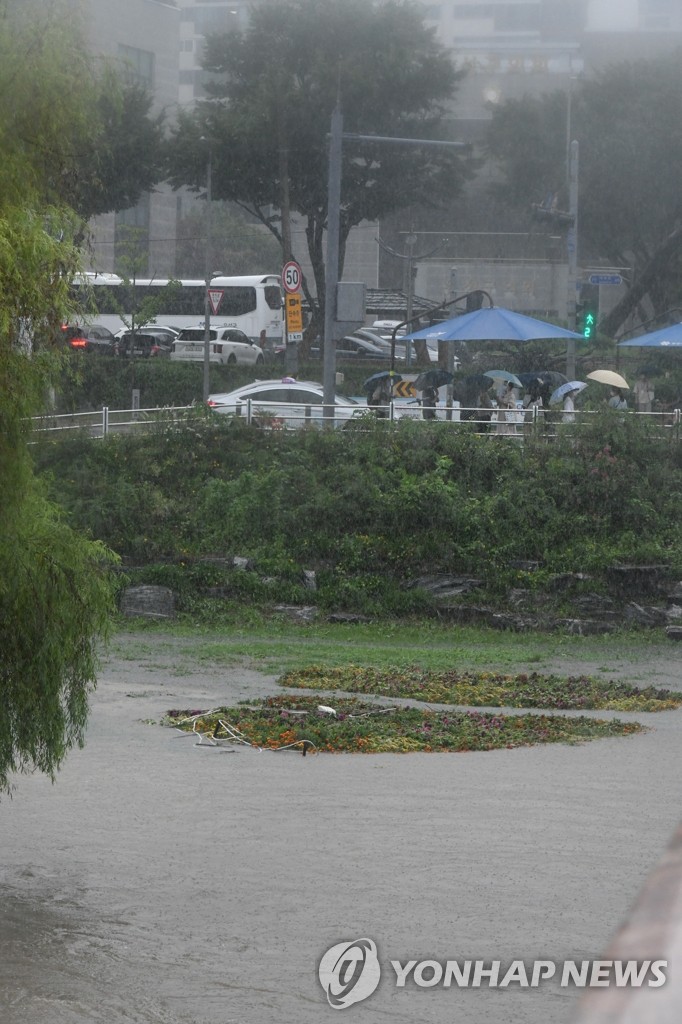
(379, 388)
(428, 383)
(508, 400)
(429, 401)
(569, 406)
(567, 394)
(617, 399)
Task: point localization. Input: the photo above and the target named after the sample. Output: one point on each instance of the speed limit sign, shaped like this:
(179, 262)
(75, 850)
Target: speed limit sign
(291, 277)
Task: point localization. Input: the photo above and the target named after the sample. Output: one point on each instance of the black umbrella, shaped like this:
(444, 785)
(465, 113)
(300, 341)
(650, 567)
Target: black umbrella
(432, 379)
(552, 377)
(372, 381)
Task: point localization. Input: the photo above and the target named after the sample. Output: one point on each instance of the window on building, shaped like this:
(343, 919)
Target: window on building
(517, 17)
(510, 17)
(138, 64)
(474, 12)
(659, 15)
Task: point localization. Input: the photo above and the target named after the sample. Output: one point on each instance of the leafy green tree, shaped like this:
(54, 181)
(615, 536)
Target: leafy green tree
(95, 145)
(239, 244)
(271, 95)
(55, 594)
(126, 156)
(628, 120)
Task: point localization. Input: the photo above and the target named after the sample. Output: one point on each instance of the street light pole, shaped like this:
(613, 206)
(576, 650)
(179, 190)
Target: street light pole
(336, 137)
(208, 273)
(572, 254)
(331, 278)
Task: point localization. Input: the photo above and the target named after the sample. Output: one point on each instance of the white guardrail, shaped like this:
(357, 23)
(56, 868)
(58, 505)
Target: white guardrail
(517, 423)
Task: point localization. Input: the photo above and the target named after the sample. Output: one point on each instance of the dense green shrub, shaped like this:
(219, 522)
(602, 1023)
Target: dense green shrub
(373, 507)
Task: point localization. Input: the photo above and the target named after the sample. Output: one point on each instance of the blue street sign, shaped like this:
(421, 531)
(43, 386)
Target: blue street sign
(606, 279)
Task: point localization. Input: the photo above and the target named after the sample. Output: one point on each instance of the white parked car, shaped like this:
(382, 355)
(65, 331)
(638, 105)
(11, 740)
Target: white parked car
(284, 403)
(226, 345)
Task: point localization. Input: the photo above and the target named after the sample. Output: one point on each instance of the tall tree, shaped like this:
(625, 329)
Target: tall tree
(628, 120)
(55, 594)
(122, 155)
(95, 146)
(239, 245)
(271, 95)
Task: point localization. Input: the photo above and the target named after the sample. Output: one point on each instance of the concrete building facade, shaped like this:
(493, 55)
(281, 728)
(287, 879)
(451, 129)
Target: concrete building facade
(512, 48)
(508, 47)
(141, 38)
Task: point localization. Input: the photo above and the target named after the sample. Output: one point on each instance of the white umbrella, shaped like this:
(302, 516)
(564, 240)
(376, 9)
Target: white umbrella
(508, 378)
(609, 377)
(565, 389)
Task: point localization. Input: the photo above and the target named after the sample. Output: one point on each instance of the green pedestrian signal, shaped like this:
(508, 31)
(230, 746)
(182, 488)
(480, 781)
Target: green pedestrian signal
(587, 311)
(589, 324)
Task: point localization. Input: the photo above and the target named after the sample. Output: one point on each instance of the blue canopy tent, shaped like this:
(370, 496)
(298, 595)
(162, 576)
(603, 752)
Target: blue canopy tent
(493, 324)
(666, 337)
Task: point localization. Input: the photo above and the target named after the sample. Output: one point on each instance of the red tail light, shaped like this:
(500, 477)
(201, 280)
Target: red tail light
(79, 343)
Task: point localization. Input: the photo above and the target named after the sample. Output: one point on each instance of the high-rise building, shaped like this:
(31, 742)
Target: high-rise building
(197, 20)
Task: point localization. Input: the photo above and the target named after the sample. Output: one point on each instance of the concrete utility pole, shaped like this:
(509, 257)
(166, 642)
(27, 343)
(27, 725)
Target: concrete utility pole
(572, 253)
(336, 137)
(290, 348)
(208, 273)
(331, 275)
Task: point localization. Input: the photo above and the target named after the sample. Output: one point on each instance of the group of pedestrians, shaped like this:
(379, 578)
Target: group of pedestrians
(506, 410)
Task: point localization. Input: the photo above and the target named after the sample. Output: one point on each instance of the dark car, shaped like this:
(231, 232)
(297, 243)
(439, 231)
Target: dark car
(354, 347)
(93, 338)
(147, 341)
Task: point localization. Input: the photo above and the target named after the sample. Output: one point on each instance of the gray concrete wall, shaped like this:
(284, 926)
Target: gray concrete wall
(152, 26)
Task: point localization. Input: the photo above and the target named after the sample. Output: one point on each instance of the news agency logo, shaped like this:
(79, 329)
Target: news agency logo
(349, 972)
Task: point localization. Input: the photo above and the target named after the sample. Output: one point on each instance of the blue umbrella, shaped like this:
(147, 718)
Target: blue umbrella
(494, 324)
(667, 337)
(508, 378)
(564, 389)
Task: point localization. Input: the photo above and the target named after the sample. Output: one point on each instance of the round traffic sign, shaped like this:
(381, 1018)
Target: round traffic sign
(291, 277)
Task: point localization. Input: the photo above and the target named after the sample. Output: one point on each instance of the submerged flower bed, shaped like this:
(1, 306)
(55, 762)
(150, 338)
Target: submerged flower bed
(358, 726)
(486, 689)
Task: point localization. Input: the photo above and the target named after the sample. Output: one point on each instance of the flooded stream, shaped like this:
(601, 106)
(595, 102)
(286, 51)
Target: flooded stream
(159, 883)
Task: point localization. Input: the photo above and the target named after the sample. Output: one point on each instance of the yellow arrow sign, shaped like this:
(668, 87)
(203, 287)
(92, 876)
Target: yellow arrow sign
(404, 389)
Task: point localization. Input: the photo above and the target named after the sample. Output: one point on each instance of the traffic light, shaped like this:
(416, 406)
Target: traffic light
(587, 310)
(588, 327)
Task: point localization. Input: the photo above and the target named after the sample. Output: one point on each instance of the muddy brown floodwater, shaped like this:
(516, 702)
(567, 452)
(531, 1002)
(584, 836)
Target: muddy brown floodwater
(162, 883)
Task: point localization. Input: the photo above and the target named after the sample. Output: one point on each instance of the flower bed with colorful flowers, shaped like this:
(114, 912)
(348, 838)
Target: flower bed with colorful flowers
(355, 726)
(486, 689)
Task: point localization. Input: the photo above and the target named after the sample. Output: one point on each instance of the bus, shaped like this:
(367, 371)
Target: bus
(252, 303)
